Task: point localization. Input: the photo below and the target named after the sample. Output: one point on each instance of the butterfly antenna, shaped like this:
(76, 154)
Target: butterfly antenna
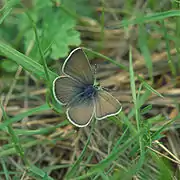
(106, 89)
(95, 72)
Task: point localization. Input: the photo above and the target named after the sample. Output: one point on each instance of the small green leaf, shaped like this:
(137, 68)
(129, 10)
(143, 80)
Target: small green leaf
(146, 109)
(40, 172)
(147, 86)
(9, 66)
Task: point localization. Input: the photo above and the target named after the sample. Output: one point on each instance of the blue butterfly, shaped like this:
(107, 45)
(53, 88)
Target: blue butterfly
(78, 90)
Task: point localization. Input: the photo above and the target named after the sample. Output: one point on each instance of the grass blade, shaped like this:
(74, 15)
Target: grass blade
(76, 164)
(148, 18)
(111, 157)
(26, 62)
(145, 51)
(32, 111)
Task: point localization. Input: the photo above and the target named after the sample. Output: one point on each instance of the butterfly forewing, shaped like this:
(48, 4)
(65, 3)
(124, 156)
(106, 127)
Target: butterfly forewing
(106, 105)
(65, 89)
(81, 111)
(77, 66)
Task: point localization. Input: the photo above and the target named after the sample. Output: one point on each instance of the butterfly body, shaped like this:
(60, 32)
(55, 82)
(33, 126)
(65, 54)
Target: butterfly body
(78, 90)
(88, 91)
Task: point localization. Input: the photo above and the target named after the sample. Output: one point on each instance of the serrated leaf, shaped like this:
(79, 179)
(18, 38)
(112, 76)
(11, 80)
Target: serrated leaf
(54, 27)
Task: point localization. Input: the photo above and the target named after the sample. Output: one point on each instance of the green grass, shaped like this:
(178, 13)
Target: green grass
(120, 147)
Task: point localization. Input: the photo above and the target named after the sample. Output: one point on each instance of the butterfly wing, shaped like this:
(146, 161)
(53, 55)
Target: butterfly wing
(106, 105)
(81, 111)
(78, 67)
(65, 89)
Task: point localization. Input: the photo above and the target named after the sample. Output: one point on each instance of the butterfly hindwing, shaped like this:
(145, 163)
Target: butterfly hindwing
(106, 105)
(81, 111)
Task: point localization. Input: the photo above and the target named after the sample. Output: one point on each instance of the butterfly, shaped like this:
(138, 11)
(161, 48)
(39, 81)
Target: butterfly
(78, 90)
